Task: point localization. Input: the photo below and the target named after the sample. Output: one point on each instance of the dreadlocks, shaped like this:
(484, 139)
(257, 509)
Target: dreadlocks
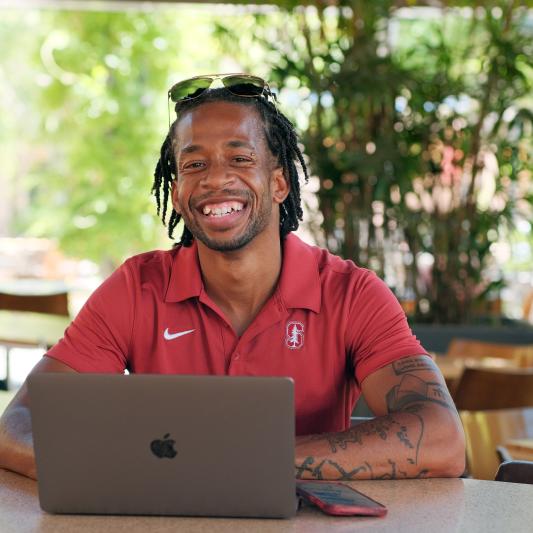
(282, 141)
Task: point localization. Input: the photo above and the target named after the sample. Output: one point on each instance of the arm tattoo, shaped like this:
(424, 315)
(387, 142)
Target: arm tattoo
(402, 435)
(378, 426)
(345, 475)
(411, 395)
(383, 427)
(412, 389)
(363, 471)
(392, 474)
(412, 364)
(315, 472)
(304, 467)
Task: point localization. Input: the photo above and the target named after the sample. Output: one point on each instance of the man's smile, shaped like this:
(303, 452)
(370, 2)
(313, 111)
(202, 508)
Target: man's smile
(222, 209)
(221, 219)
(222, 212)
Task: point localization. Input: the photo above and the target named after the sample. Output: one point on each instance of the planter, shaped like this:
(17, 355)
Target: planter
(436, 337)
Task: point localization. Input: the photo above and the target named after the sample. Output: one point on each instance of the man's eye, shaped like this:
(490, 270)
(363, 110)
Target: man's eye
(241, 159)
(193, 165)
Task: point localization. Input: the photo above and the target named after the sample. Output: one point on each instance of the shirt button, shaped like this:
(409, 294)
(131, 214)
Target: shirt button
(236, 355)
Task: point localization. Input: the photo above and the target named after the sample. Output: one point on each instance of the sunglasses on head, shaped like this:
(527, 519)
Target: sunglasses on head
(238, 84)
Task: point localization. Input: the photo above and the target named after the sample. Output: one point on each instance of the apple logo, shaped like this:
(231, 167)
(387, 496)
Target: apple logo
(164, 448)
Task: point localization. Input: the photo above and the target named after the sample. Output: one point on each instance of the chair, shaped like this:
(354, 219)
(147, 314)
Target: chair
(467, 348)
(486, 431)
(53, 304)
(515, 472)
(527, 307)
(494, 388)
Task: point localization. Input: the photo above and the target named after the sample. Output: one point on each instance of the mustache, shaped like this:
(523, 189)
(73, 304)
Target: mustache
(245, 196)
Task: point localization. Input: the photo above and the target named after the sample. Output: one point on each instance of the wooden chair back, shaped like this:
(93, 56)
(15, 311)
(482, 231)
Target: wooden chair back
(55, 304)
(467, 348)
(494, 388)
(527, 307)
(486, 430)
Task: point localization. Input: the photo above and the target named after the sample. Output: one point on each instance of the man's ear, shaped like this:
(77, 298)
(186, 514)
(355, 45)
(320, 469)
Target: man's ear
(174, 196)
(280, 186)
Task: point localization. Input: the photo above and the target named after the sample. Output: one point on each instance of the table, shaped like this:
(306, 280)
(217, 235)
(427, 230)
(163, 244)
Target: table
(452, 367)
(23, 327)
(520, 449)
(435, 505)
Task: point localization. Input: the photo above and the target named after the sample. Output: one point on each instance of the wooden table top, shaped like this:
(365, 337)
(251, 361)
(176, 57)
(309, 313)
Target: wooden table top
(22, 327)
(436, 505)
(452, 367)
(521, 449)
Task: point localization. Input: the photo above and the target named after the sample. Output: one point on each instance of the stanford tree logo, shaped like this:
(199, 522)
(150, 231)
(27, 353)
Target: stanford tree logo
(294, 338)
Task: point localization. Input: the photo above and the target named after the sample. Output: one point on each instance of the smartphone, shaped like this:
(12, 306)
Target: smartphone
(337, 498)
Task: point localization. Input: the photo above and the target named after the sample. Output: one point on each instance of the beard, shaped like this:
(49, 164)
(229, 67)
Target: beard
(254, 227)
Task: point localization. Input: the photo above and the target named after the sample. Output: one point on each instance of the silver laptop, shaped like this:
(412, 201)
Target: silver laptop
(164, 444)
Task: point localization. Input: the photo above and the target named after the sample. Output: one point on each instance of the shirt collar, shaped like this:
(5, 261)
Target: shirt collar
(185, 277)
(299, 282)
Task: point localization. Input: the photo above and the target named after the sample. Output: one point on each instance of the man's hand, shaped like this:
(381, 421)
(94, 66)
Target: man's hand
(417, 431)
(16, 440)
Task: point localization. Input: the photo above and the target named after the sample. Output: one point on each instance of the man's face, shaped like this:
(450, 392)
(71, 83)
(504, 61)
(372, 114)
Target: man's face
(228, 185)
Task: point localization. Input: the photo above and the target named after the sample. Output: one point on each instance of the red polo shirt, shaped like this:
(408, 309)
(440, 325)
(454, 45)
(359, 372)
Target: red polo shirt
(328, 325)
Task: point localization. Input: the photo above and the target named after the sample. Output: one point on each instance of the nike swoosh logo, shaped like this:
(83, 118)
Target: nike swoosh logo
(171, 336)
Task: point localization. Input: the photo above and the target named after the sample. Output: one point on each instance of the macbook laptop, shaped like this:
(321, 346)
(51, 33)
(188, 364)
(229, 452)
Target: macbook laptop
(164, 444)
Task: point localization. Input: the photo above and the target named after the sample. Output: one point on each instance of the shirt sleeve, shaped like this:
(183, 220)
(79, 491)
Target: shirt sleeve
(98, 340)
(378, 330)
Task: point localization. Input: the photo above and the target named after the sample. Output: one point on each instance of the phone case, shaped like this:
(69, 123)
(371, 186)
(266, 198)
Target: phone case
(350, 503)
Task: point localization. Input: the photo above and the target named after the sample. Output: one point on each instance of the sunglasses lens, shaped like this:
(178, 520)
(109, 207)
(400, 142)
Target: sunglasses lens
(189, 88)
(238, 84)
(244, 85)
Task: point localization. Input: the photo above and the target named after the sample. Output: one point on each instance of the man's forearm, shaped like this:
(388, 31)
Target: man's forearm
(16, 442)
(406, 444)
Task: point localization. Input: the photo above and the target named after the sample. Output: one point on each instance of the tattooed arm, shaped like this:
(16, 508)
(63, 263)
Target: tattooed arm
(417, 431)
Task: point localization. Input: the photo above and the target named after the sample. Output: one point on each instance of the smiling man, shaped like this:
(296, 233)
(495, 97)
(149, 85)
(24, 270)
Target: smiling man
(241, 295)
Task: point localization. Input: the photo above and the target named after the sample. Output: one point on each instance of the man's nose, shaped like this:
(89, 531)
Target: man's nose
(218, 176)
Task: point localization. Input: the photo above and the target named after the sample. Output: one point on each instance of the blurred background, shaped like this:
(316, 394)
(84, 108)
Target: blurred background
(416, 119)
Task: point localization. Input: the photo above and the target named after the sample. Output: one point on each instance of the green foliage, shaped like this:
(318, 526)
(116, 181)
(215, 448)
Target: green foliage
(398, 111)
(92, 86)
(419, 128)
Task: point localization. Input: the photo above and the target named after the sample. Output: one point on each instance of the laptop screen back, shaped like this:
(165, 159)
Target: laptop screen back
(164, 444)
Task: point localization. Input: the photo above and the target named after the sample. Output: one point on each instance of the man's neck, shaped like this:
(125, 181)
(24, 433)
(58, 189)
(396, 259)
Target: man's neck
(241, 282)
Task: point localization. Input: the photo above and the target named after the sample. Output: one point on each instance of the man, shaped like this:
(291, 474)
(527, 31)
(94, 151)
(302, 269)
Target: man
(240, 295)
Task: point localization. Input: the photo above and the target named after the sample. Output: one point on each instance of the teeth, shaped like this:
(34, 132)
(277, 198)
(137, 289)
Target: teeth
(224, 210)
